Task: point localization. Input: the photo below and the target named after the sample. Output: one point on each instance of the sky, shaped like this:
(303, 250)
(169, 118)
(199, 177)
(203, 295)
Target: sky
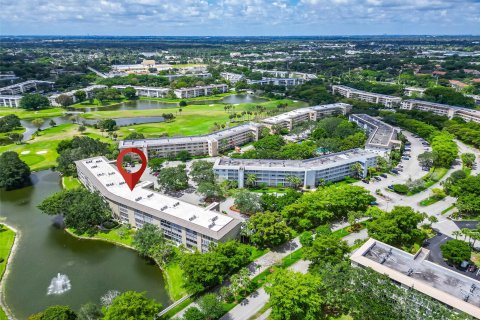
(239, 17)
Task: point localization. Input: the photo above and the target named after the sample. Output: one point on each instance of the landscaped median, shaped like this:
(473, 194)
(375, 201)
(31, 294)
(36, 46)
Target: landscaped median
(413, 187)
(7, 240)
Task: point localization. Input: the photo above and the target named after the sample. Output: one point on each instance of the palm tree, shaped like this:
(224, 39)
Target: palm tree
(432, 220)
(357, 169)
(466, 232)
(294, 181)
(251, 179)
(456, 234)
(475, 236)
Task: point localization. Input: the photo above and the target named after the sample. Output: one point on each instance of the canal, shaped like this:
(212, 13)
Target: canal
(43, 251)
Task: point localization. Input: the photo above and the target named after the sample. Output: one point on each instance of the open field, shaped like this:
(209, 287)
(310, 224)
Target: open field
(40, 152)
(28, 115)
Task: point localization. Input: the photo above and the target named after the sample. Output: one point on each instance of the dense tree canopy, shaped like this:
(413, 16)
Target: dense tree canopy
(9, 122)
(326, 204)
(448, 96)
(210, 268)
(173, 178)
(456, 251)
(295, 296)
(326, 250)
(76, 149)
(81, 209)
(397, 227)
(268, 229)
(14, 173)
(132, 305)
(34, 101)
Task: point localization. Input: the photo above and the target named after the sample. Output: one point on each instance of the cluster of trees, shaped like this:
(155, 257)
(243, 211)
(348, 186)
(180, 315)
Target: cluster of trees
(34, 101)
(275, 219)
(397, 227)
(14, 173)
(275, 147)
(9, 123)
(205, 270)
(82, 210)
(79, 148)
(467, 191)
(445, 149)
(314, 92)
(209, 308)
(449, 96)
(338, 134)
(106, 124)
(150, 242)
(107, 94)
(383, 88)
(173, 178)
(202, 174)
(469, 132)
(114, 305)
(136, 80)
(456, 251)
(403, 120)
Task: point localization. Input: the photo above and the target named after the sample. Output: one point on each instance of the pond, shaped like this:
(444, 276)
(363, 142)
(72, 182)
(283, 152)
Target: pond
(154, 104)
(91, 267)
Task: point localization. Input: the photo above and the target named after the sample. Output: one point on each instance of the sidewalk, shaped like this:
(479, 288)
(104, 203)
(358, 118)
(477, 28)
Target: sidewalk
(270, 258)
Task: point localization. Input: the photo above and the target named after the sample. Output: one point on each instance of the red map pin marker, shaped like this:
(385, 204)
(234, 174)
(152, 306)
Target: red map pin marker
(131, 178)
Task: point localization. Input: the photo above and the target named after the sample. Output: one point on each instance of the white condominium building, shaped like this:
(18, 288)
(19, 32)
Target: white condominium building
(410, 91)
(199, 91)
(416, 272)
(89, 91)
(141, 68)
(181, 222)
(23, 87)
(332, 167)
(10, 101)
(347, 92)
(286, 74)
(152, 92)
(290, 119)
(287, 82)
(232, 77)
(382, 137)
(442, 109)
(209, 144)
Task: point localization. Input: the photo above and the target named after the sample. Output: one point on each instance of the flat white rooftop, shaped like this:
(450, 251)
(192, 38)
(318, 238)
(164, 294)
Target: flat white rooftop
(107, 176)
(415, 271)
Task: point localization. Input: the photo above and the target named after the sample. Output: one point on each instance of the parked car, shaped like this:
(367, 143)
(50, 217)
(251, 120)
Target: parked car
(374, 203)
(472, 268)
(383, 175)
(395, 171)
(390, 187)
(365, 181)
(377, 178)
(464, 265)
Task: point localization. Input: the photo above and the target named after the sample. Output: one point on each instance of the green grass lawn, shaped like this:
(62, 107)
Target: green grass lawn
(28, 115)
(40, 153)
(193, 120)
(448, 209)
(7, 237)
(70, 183)
(428, 201)
(175, 280)
(113, 236)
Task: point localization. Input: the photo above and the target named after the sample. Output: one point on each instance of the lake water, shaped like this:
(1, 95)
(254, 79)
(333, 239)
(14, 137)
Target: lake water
(153, 104)
(135, 105)
(92, 267)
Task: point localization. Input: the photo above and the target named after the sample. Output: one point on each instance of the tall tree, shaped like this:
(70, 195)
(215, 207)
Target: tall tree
(34, 101)
(268, 229)
(14, 173)
(132, 305)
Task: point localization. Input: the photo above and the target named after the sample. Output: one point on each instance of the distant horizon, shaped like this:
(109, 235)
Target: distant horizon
(242, 36)
(240, 17)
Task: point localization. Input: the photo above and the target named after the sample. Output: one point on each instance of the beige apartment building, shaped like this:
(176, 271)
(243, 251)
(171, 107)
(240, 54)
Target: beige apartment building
(351, 93)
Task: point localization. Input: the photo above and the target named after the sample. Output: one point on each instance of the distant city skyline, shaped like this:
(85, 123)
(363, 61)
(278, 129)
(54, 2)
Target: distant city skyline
(239, 17)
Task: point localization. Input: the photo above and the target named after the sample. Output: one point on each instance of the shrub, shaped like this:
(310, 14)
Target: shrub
(400, 188)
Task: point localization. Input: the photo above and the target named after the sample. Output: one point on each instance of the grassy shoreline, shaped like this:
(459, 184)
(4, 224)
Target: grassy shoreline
(8, 242)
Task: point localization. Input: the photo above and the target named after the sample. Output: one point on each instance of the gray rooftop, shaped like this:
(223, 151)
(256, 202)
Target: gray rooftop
(334, 158)
(415, 271)
(382, 133)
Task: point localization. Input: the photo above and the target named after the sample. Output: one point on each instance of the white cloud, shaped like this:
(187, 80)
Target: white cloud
(236, 16)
